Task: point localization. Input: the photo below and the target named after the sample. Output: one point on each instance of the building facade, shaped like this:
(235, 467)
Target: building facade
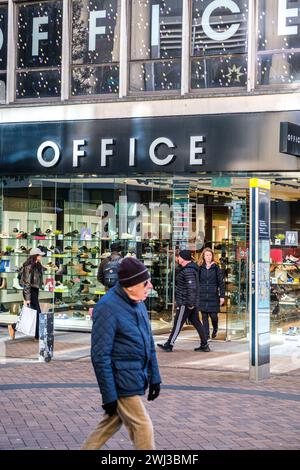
(141, 122)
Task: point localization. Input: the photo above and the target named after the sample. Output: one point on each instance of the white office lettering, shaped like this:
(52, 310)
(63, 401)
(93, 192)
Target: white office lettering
(194, 150)
(95, 30)
(152, 149)
(132, 151)
(283, 14)
(40, 154)
(77, 152)
(38, 35)
(209, 31)
(105, 152)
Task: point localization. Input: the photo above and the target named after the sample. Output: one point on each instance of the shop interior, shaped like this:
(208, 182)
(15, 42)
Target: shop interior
(75, 220)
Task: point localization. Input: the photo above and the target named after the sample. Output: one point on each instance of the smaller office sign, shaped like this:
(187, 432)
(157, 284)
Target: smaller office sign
(290, 138)
(259, 255)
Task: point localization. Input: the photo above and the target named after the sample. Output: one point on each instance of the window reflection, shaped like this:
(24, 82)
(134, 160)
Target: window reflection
(39, 44)
(95, 41)
(3, 51)
(156, 43)
(219, 41)
(278, 58)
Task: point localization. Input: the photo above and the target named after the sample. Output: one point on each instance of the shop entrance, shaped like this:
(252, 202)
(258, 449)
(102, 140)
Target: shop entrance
(76, 220)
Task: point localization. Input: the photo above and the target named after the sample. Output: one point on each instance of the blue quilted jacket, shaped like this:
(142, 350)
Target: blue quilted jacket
(123, 351)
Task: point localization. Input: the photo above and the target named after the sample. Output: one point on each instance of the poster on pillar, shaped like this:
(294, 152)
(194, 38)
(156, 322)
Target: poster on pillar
(260, 278)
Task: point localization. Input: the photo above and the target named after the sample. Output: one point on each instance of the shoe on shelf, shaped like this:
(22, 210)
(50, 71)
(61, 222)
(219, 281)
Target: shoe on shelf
(16, 284)
(21, 235)
(3, 309)
(11, 332)
(203, 348)
(3, 283)
(165, 347)
(37, 233)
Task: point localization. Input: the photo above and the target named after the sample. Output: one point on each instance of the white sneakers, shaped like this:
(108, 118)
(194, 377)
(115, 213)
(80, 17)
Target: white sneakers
(16, 284)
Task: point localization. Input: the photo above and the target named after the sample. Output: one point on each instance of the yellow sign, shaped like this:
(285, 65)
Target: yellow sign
(258, 183)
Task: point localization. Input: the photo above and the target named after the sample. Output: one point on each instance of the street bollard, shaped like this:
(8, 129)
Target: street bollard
(46, 337)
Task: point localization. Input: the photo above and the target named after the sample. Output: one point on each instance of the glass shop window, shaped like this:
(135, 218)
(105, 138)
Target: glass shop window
(39, 49)
(219, 44)
(3, 51)
(156, 45)
(278, 42)
(95, 47)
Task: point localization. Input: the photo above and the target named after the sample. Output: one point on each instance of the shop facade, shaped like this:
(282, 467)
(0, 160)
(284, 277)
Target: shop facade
(141, 122)
(154, 186)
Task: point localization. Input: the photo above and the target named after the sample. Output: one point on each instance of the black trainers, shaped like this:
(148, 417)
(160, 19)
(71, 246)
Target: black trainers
(165, 347)
(204, 348)
(214, 334)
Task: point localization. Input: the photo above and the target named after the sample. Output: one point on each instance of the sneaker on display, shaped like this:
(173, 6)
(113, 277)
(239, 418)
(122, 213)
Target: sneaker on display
(287, 299)
(16, 284)
(293, 330)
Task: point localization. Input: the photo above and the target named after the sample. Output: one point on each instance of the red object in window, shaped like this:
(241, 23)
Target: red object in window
(276, 255)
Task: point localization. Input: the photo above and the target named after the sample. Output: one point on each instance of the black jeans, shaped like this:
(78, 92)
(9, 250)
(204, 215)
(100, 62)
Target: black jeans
(34, 303)
(214, 320)
(182, 314)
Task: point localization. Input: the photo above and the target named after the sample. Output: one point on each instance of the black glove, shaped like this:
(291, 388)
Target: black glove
(154, 390)
(110, 408)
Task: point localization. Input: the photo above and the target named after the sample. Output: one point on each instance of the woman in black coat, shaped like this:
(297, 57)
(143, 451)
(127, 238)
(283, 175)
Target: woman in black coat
(211, 290)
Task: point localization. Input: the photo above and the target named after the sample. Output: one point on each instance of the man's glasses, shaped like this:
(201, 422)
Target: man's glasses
(146, 282)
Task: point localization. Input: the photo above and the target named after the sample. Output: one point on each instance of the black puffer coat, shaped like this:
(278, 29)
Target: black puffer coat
(211, 288)
(187, 285)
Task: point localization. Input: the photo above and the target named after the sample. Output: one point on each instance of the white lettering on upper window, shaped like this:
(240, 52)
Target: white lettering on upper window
(95, 30)
(38, 35)
(283, 14)
(209, 31)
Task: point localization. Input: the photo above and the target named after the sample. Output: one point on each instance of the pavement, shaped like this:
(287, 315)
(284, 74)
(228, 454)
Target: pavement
(207, 400)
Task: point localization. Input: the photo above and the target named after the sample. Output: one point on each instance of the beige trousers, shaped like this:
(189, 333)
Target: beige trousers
(131, 412)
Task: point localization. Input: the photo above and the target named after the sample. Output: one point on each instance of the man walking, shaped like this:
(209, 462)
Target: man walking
(124, 358)
(186, 297)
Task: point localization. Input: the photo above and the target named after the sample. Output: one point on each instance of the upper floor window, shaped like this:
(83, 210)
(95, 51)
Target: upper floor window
(39, 45)
(3, 51)
(156, 45)
(219, 43)
(95, 47)
(278, 57)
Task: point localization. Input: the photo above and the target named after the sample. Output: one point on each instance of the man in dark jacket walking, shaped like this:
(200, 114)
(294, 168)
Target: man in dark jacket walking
(124, 358)
(186, 296)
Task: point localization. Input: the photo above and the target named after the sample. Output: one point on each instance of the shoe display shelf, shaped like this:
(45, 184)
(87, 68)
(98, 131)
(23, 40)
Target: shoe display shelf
(285, 283)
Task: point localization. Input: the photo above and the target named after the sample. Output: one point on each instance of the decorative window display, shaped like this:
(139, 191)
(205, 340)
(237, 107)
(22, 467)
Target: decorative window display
(278, 56)
(95, 47)
(219, 44)
(156, 44)
(3, 50)
(39, 46)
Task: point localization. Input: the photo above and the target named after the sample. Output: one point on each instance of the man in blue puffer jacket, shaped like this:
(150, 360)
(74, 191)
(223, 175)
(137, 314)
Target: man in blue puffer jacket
(124, 358)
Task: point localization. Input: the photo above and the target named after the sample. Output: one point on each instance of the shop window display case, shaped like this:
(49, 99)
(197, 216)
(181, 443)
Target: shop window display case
(285, 284)
(62, 218)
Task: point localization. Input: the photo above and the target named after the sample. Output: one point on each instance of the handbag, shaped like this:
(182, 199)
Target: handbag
(27, 321)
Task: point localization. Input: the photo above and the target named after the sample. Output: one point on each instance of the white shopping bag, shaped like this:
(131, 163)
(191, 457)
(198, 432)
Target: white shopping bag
(27, 321)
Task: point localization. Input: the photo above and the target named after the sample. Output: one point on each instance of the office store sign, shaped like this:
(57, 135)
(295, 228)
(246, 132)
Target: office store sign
(99, 23)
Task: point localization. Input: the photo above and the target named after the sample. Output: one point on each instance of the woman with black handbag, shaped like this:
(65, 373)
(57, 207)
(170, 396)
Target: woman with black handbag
(211, 291)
